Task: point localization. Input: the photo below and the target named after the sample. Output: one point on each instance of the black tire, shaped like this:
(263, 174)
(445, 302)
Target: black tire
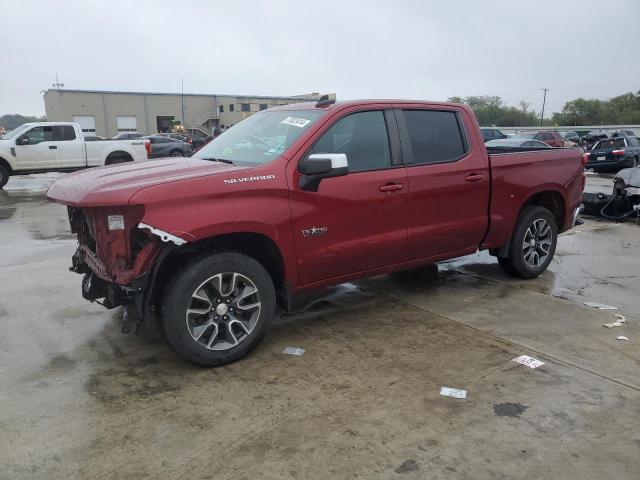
(507, 267)
(634, 162)
(176, 153)
(179, 297)
(519, 261)
(4, 176)
(116, 160)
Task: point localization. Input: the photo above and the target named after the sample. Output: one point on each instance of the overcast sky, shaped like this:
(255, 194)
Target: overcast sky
(358, 49)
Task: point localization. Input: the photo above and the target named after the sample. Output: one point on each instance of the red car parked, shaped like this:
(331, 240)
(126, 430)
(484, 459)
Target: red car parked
(551, 138)
(300, 197)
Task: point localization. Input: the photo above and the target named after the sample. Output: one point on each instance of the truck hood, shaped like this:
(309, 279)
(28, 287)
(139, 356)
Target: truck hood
(116, 184)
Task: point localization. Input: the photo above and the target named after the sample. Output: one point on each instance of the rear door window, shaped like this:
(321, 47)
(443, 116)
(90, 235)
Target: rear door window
(64, 133)
(362, 137)
(434, 136)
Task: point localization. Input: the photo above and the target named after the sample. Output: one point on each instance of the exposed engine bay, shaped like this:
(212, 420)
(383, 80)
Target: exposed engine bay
(624, 201)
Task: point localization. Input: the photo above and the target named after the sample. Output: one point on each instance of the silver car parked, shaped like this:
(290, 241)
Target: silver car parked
(168, 147)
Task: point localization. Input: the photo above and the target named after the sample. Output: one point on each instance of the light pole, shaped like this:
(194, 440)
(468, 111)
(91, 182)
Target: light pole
(544, 101)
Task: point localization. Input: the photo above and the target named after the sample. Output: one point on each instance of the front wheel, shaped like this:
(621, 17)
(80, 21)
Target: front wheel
(533, 243)
(176, 153)
(216, 309)
(4, 176)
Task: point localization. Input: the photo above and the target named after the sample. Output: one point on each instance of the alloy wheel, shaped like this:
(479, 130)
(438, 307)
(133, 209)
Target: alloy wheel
(223, 311)
(537, 242)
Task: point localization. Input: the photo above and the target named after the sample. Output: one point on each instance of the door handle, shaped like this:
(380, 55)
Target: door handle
(52, 147)
(391, 187)
(474, 177)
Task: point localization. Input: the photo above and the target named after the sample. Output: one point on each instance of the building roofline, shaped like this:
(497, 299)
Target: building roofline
(115, 92)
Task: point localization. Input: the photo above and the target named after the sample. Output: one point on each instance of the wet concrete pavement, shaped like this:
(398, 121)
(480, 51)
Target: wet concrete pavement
(81, 400)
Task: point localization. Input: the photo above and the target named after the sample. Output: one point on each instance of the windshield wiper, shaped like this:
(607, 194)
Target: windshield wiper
(222, 160)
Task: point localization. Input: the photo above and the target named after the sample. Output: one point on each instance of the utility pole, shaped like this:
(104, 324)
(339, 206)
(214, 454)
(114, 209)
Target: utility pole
(182, 99)
(544, 101)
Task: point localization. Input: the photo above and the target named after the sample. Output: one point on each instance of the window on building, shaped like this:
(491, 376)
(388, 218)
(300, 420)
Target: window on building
(263, 106)
(231, 107)
(435, 136)
(87, 123)
(126, 123)
(246, 107)
(362, 137)
(221, 109)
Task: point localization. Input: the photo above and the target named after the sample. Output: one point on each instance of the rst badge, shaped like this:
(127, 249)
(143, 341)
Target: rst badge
(314, 232)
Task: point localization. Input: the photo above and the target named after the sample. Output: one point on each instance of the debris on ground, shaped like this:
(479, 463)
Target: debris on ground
(626, 244)
(599, 306)
(453, 392)
(528, 361)
(294, 351)
(621, 320)
(407, 466)
(509, 409)
(622, 337)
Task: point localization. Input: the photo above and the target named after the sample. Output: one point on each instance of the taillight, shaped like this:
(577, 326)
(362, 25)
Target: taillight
(618, 153)
(585, 158)
(189, 140)
(147, 147)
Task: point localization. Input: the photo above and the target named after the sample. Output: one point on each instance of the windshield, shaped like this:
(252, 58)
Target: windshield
(12, 133)
(260, 138)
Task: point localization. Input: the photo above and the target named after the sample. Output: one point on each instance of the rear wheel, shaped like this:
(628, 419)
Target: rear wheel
(216, 309)
(533, 243)
(176, 153)
(4, 176)
(113, 160)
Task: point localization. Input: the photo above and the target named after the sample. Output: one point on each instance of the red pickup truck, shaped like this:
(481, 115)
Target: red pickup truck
(301, 197)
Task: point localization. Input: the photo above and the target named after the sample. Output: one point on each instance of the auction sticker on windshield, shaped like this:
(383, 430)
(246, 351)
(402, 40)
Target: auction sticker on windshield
(296, 122)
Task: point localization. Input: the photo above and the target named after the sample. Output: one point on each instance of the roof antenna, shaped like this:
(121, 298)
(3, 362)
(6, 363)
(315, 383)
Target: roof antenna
(324, 100)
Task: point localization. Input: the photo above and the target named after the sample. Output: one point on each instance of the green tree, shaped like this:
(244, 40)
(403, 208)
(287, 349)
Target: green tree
(492, 111)
(11, 121)
(620, 110)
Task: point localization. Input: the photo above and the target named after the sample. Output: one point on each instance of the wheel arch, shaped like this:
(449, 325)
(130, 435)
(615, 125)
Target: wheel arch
(552, 200)
(118, 154)
(255, 245)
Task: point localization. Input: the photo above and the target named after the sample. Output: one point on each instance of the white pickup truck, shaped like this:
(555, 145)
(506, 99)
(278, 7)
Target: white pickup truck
(60, 147)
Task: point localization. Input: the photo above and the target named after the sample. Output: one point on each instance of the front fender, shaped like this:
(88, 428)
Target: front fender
(197, 214)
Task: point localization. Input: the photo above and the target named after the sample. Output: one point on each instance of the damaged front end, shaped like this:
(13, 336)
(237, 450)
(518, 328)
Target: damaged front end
(624, 201)
(116, 254)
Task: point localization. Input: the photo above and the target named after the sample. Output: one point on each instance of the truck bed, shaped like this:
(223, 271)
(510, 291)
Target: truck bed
(517, 174)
